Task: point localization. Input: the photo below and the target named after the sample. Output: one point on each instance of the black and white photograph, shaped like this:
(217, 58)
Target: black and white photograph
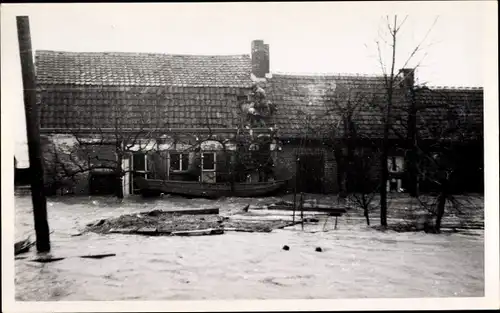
(260, 151)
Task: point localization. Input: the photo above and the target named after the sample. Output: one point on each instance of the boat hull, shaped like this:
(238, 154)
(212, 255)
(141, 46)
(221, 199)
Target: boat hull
(208, 190)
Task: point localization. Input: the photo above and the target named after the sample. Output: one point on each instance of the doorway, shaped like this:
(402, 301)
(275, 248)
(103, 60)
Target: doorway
(310, 173)
(102, 183)
(139, 169)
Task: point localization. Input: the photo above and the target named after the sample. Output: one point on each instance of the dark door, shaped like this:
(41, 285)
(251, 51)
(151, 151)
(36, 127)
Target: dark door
(311, 169)
(139, 169)
(102, 183)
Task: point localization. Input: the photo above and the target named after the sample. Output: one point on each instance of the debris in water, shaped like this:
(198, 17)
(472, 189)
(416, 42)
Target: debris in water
(286, 248)
(23, 246)
(97, 256)
(203, 221)
(318, 249)
(311, 220)
(47, 260)
(147, 231)
(201, 232)
(154, 213)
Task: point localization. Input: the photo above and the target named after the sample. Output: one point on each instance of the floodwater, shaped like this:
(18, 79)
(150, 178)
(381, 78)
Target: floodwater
(356, 262)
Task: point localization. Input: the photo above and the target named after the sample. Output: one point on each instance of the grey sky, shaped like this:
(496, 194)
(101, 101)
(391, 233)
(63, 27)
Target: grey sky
(303, 37)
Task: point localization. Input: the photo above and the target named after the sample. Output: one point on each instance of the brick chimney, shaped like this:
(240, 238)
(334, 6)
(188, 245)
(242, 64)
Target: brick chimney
(260, 59)
(408, 77)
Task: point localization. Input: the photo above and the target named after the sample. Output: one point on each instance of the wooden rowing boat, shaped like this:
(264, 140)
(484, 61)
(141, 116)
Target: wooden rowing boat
(208, 190)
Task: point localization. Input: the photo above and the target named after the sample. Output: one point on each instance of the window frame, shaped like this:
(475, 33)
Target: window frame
(392, 161)
(181, 163)
(145, 155)
(214, 168)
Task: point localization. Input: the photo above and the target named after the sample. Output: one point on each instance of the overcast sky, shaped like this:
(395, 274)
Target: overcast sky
(333, 37)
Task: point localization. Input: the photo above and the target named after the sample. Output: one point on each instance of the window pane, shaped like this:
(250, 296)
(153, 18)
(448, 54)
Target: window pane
(395, 164)
(139, 162)
(208, 161)
(399, 164)
(185, 162)
(175, 161)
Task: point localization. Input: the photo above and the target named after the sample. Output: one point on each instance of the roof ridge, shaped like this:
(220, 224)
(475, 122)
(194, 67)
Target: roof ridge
(439, 87)
(138, 53)
(316, 74)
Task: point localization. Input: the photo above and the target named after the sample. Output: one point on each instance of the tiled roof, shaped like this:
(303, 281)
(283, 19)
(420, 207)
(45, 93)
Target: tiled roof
(313, 106)
(65, 106)
(142, 69)
(443, 110)
(87, 89)
(318, 101)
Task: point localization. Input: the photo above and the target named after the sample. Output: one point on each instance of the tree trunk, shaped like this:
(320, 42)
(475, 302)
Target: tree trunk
(339, 159)
(119, 177)
(367, 216)
(387, 122)
(384, 177)
(366, 205)
(383, 186)
(230, 160)
(440, 208)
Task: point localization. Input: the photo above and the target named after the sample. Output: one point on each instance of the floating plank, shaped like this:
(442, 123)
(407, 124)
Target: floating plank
(47, 260)
(97, 256)
(249, 230)
(311, 208)
(289, 224)
(147, 231)
(186, 211)
(201, 232)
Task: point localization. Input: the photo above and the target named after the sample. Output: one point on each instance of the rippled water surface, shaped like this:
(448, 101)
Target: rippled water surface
(356, 262)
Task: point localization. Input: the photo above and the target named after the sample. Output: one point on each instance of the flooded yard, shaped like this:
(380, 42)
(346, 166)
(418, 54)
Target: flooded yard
(355, 262)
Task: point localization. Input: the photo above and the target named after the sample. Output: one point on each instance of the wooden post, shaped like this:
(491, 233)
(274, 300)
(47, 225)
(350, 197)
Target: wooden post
(302, 209)
(33, 135)
(295, 187)
(294, 203)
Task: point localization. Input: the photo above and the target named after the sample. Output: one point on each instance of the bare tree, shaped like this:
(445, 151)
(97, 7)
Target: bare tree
(392, 80)
(431, 150)
(441, 147)
(443, 130)
(354, 149)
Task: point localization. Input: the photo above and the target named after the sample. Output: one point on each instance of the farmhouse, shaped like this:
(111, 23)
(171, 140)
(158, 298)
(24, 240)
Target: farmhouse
(226, 118)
